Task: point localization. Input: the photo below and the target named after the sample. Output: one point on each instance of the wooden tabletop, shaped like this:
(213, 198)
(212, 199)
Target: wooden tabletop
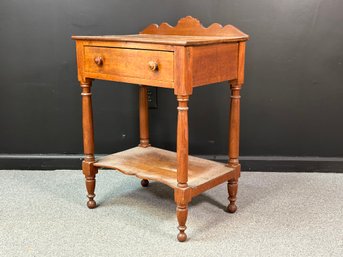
(166, 39)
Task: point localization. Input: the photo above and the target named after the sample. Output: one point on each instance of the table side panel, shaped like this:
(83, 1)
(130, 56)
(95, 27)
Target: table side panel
(214, 63)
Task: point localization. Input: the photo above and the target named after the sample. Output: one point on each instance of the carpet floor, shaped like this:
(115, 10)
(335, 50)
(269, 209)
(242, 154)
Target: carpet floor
(44, 213)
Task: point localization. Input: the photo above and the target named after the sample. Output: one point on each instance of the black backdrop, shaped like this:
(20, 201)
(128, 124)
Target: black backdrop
(291, 101)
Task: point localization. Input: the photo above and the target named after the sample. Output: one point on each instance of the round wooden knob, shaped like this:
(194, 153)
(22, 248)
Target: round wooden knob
(98, 60)
(153, 65)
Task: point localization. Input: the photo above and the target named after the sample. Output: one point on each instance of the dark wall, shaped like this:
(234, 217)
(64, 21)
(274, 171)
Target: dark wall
(292, 102)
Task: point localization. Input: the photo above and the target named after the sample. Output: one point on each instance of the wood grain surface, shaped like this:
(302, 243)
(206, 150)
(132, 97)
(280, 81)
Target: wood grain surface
(190, 26)
(130, 63)
(161, 165)
(164, 39)
(181, 58)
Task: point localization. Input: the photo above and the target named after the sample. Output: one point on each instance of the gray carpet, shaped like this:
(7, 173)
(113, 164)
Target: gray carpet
(43, 213)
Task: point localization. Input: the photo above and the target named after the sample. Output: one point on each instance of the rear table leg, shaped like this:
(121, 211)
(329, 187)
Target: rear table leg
(90, 185)
(145, 183)
(232, 187)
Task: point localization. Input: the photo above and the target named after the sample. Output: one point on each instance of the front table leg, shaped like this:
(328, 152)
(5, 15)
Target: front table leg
(182, 192)
(234, 144)
(181, 214)
(88, 141)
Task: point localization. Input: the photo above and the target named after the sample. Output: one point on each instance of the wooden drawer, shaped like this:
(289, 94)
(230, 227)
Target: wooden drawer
(130, 63)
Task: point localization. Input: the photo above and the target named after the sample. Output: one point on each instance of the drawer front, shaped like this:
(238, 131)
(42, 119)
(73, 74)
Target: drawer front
(129, 63)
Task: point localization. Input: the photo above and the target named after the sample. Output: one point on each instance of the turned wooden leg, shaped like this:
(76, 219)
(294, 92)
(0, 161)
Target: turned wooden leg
(234, 144)
(182, 141)
(234, 125)
(232, 186)
(88, 141)
(90, 185)
(143, 123)
(143, 117)
(181, 214)
(182, 192)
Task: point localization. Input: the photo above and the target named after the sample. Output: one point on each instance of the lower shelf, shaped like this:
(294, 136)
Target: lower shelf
(157, 164)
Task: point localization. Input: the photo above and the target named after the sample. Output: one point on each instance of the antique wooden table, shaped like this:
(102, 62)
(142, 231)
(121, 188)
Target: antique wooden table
(180, 58)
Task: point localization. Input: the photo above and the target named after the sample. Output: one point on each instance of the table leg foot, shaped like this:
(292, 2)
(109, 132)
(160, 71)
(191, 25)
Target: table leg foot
(91, 204)
(145, 183)
(232, 187)
(181, 213)
(90, 185)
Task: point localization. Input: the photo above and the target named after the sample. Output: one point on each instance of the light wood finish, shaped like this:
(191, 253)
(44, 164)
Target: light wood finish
(143, 117)
(88, 141)
(152, 163)
(235, 102)
(220, 60)
(232, 187)
(182, 141)
(213, 47)
(182, 72)
(241, 63)
(174, 69)
(234, 127)
(124, 44)
(234, 124)
(181, 214)
(189, 26)
(117, 60)
(180, 58)
(171, 40)
(87, 120)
